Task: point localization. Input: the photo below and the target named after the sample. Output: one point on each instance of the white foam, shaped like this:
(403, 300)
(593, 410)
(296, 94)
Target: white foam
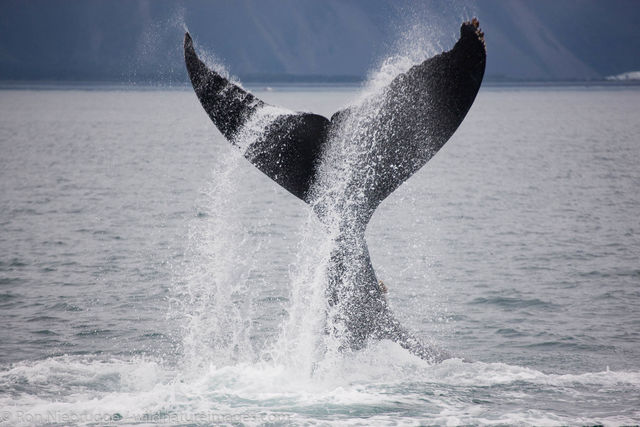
(385, 377)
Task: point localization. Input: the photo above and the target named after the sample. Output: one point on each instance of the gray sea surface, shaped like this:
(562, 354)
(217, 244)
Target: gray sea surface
(148, 273)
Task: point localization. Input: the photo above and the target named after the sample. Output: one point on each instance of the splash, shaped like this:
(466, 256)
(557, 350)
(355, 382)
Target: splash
(213, 298)
(155, 47)
(212, 295)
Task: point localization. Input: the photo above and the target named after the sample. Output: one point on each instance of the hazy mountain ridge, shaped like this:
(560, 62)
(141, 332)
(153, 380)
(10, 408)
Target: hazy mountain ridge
(120, 40)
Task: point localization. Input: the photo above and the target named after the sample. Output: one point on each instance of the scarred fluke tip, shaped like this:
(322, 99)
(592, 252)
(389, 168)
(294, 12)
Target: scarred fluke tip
(472, 28)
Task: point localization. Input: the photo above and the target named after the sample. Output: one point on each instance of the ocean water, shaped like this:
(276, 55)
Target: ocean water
(148, 273)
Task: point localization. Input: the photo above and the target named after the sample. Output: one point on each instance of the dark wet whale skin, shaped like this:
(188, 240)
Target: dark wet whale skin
(420, 111)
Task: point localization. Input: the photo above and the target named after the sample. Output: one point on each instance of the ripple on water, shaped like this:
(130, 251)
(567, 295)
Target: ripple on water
(515, 303)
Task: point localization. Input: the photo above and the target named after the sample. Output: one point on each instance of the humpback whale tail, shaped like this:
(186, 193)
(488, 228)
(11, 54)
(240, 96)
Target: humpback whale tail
(416, 114)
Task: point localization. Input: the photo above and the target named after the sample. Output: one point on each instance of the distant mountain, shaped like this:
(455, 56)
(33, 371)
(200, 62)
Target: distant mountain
(294, 40)
(567, 39)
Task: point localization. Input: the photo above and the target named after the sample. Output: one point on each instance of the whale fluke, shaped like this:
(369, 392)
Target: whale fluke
(417, 114)
(287, 151)
(424, 107)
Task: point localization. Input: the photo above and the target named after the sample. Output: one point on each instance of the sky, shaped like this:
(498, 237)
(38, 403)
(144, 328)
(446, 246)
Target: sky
(309, 40)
